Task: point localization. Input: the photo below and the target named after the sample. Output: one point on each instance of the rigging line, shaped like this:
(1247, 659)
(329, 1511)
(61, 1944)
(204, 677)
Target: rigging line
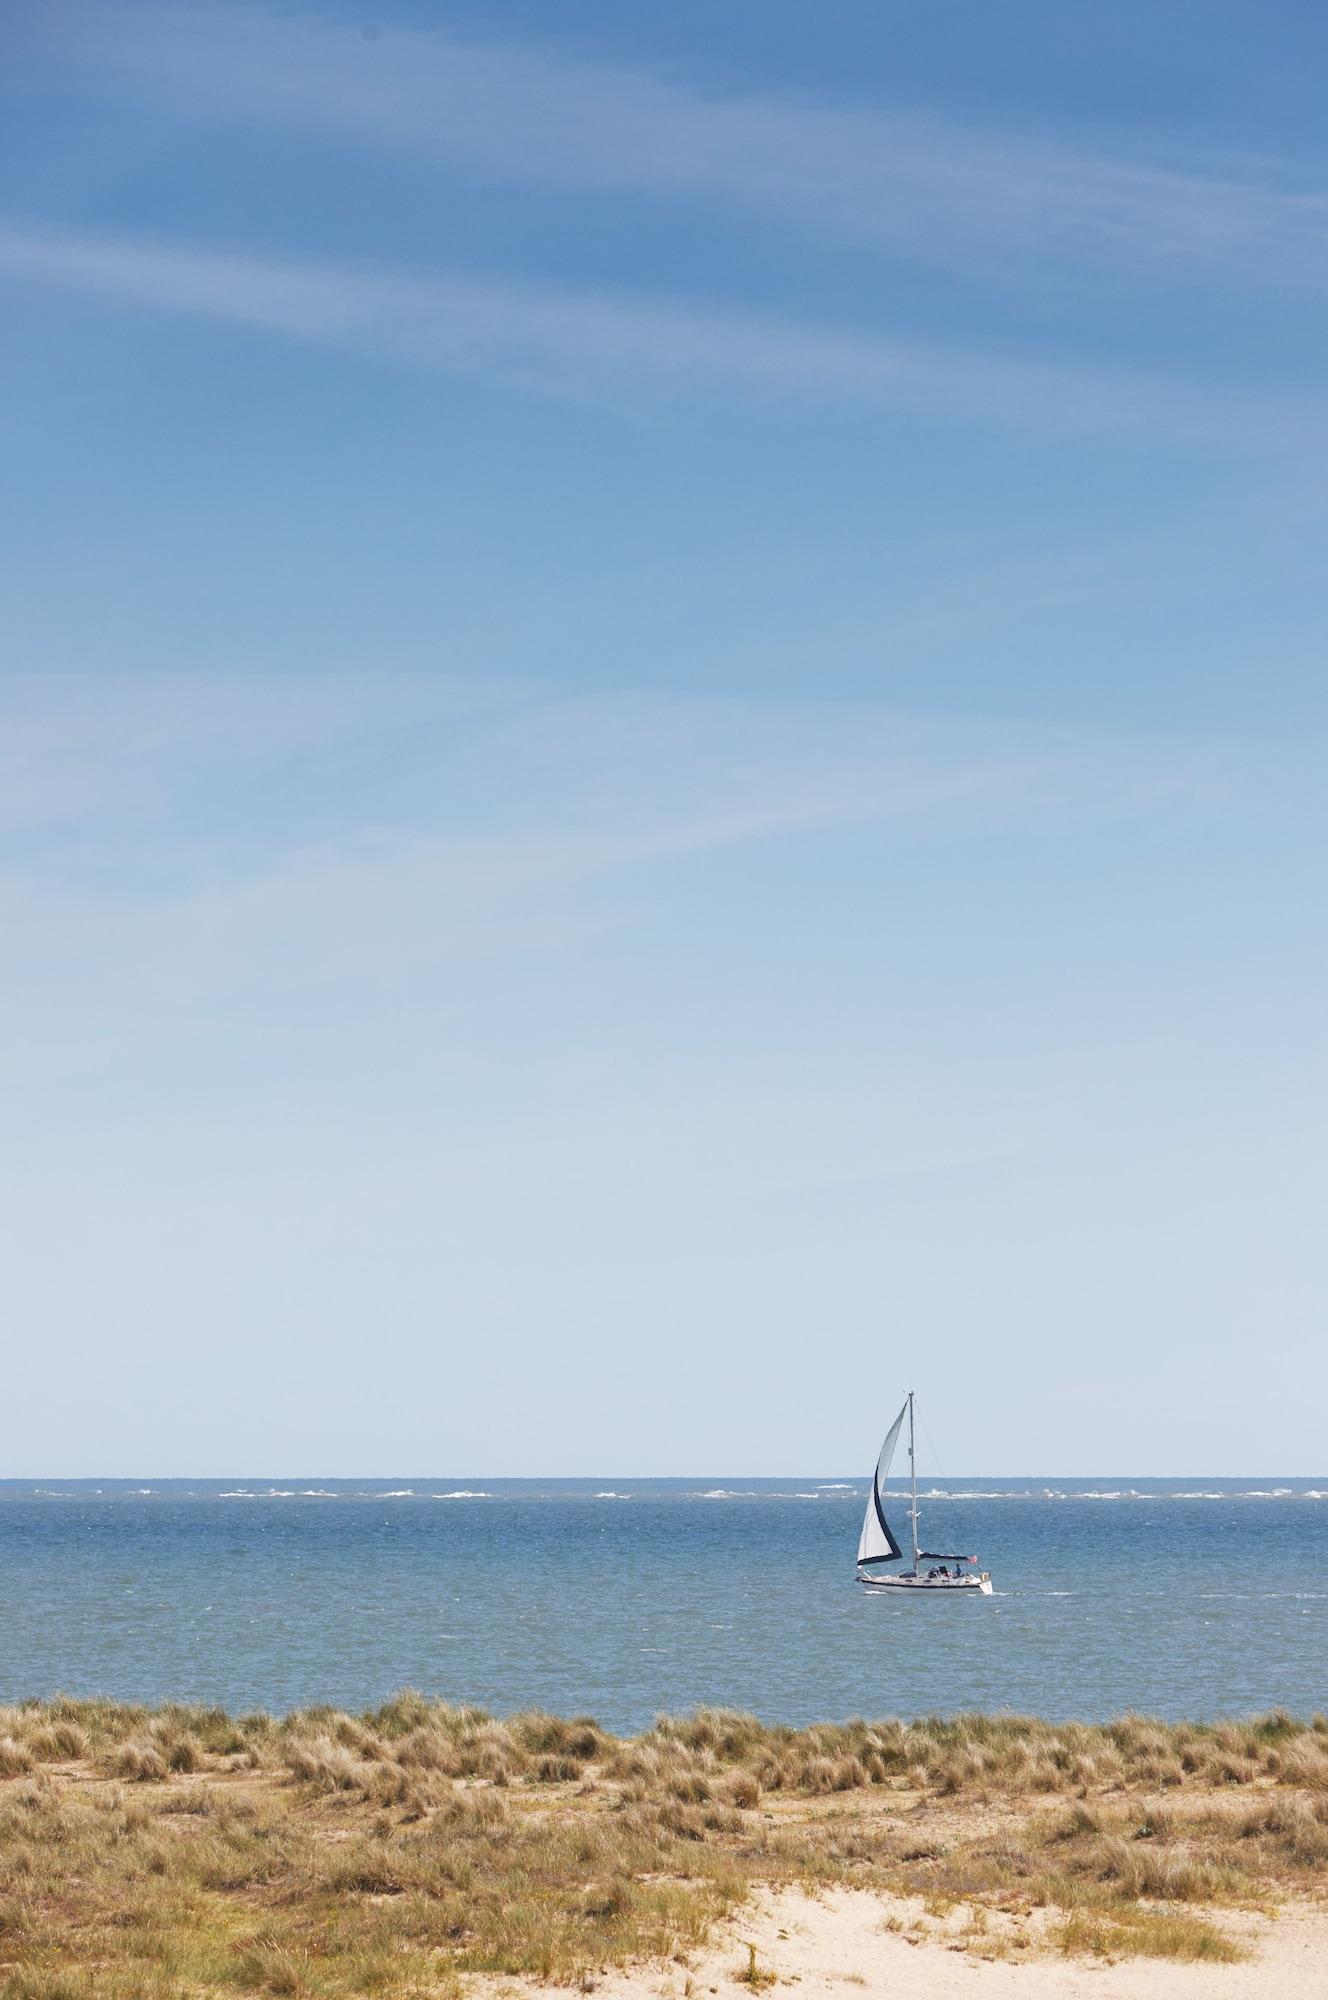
(941, 1473)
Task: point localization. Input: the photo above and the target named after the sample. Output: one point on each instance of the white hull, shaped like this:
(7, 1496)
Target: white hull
(980, 1584)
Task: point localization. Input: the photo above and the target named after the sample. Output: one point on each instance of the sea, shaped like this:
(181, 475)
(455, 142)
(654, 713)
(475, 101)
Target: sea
(627, 1598)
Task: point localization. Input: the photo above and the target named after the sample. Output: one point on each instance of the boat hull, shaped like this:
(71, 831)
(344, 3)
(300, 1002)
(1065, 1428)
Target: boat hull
(974, 1586)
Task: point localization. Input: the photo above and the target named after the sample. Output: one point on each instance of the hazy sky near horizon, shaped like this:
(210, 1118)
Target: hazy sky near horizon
(662, 736)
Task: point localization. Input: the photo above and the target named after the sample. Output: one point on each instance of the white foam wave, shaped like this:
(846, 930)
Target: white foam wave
(613, 1496)
(1111, 1493)
(397, 1493)
(974, 1495)
(966, 1493)
(461, 1493)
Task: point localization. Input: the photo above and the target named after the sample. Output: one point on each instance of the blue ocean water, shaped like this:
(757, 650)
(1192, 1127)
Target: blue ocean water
(1177, 1597)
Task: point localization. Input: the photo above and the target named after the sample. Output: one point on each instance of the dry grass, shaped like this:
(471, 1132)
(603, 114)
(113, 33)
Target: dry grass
(1134, 1932)
(177, 1852)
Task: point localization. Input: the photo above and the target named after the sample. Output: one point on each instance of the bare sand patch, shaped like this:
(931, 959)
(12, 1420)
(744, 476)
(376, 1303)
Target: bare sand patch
(839, 1945)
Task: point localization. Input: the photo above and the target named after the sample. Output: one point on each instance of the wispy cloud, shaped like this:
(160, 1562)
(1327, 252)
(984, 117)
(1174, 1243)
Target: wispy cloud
(608, 347)
(931, 189)
(500, 839)
(88, 750)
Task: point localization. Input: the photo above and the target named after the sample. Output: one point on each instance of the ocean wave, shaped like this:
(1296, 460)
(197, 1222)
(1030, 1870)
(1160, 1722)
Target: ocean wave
(836, 1486)
(1108, 1493)
(461, 1493)
(397, 1493)
(613, 1496)
(966, 1494)
(969, 1493)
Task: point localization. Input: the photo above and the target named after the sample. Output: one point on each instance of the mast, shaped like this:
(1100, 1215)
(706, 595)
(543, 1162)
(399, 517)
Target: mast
(913, 1469)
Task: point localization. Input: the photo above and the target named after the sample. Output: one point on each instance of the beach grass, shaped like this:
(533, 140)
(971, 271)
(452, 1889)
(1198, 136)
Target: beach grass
(420, 1846)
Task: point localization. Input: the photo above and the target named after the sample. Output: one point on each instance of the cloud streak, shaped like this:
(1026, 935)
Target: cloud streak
(525, 819)
(607, 347)
(929, 189)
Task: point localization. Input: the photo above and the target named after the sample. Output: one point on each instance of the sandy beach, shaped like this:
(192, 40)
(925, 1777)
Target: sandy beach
(839, 1943)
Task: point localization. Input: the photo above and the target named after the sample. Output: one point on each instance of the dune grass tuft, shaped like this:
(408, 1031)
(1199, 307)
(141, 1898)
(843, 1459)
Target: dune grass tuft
(753, 1974)
(15, 1757)
(1143, 1933)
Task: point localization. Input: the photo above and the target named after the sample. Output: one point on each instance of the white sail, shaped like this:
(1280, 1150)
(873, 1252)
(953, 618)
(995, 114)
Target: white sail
(876, 1544)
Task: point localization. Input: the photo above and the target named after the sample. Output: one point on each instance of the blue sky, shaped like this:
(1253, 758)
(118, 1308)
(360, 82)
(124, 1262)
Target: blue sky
(662, 736)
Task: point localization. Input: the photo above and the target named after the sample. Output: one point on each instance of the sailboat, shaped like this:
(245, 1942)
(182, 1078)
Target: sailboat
(877, 1545)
